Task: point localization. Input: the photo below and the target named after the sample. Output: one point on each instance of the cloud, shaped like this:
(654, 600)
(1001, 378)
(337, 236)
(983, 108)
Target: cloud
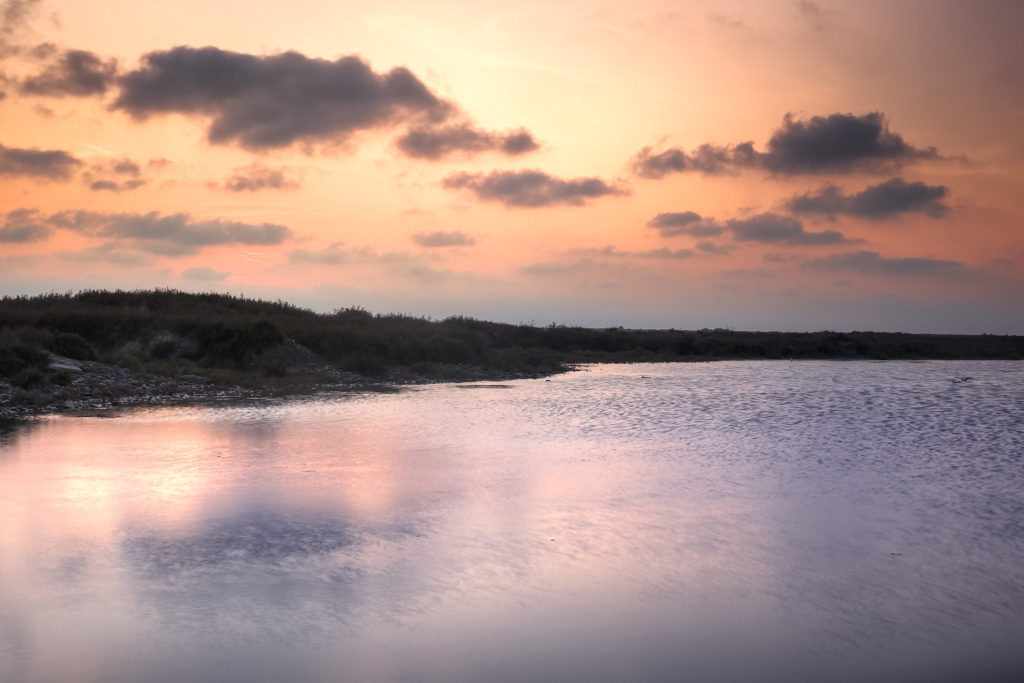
(14, 16)
(258, 177)
(264, 102)
(455, 238)
(770, 228)
(872, 263)
(707, 159)
(115, 186)
(24, 225)
(838, 143)
(684, 223)
(205, 274)
(108, 252)
(556, 268)
(119, 175)
(813, 14)
(172, 235)
(337, 254)
(713, 247)
(333, 255)
(614, 252)
(532, 188)
(398, 263)
(876, 202)
(437, 142)
(49, 164)
(76, 73)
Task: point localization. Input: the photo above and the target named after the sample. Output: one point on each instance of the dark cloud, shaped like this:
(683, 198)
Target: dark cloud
(876, 202)
(437, 142)
(838, 143)
(532, 188)
(76, 73)
(872, 263)
(171, 235)
(685, 223)
(258, 177)
(50, 164)
(204, 274)
(262, 102)
(770, 228)
(24, 225)
(443, 239)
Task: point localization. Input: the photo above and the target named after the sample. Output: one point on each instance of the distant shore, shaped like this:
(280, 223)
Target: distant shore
(99, 349)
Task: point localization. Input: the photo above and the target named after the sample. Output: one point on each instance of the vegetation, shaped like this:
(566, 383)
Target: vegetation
(236, 340)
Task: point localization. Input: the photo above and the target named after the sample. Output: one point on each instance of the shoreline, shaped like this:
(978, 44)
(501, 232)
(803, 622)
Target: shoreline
(99, 388)
(96, 387)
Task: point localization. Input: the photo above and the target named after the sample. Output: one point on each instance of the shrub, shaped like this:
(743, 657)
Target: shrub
(16, 357)
(30, 377)
(72, 345)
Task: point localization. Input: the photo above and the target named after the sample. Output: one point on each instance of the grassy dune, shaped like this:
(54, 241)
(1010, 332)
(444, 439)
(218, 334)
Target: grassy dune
(228, 340)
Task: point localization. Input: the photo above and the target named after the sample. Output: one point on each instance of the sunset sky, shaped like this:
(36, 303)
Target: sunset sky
(752, 164)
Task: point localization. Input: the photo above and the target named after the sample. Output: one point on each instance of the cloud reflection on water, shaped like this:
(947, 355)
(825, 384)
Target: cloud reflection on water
(732, 521)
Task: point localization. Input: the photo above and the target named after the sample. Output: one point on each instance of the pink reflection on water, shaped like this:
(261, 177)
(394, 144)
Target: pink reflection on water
(732, 522)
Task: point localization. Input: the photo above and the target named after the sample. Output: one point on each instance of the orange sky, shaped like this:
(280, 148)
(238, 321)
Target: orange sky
(488, 159)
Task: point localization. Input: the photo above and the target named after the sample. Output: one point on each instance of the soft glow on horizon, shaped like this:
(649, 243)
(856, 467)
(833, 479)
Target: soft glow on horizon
(593, 85)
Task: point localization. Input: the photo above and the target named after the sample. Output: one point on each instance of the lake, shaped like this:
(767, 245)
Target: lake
(731, 521)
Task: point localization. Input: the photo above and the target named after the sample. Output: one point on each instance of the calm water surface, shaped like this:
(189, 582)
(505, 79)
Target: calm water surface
(770, 521)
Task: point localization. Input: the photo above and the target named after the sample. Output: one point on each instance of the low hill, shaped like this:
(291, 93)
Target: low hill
(156, 342)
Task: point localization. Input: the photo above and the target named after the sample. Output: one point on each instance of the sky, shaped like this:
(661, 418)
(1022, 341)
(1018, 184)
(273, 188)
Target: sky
(755, 165)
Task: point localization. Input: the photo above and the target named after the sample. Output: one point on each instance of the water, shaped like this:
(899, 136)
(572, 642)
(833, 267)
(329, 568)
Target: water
(769, 521)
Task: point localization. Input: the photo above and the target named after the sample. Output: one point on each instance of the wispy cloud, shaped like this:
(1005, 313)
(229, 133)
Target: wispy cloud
(204, 274)
(872, 263)
(454, 238)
